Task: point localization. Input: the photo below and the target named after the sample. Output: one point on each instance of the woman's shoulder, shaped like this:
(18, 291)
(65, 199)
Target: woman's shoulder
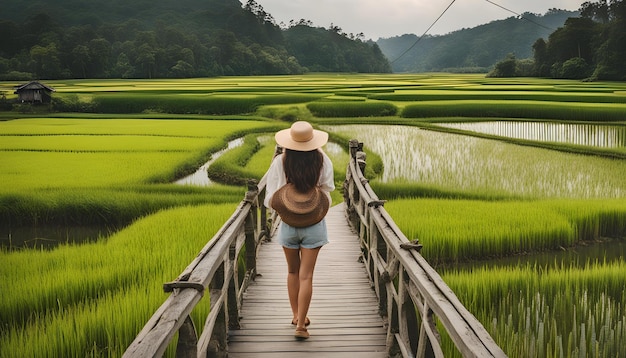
(325, 156)
(277, 161)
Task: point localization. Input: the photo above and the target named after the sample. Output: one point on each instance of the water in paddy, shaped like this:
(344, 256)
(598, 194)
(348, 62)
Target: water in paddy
(591, 135)
(610, 250)
(414, 155)
(49, 236)
(200, 177)
(411, 154)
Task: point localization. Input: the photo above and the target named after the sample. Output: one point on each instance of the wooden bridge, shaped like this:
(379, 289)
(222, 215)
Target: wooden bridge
(373, 293)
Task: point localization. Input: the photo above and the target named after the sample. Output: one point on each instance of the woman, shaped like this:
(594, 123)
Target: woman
(306, 168)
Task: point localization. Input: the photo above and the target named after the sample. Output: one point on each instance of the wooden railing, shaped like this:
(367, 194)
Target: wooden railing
(411, 295)
(215, 270)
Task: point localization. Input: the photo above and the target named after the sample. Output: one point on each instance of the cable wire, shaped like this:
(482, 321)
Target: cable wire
(424, 34)
(444, 11)
(520, 15)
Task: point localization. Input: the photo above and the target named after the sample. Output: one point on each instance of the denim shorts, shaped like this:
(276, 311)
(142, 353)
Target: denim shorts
(309, 237)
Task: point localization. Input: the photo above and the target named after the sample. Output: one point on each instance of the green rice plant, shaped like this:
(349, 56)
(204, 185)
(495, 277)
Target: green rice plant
(54, 170)
(138, 125)
(191, 103)
(260, 161)
(564, 311)
(101, 143)
(450, 162)
(93, 299)
(501, 94)
(84, 170)
(352, 109)
(112, 207)
(601, 112)
(594, 219)
(138, 103)
(287, 113)
(374, 166)
(95, 153)
(118, 278)
(94, 171)
(229, 168)
(607, 140)
(462, 230)
(406, 190)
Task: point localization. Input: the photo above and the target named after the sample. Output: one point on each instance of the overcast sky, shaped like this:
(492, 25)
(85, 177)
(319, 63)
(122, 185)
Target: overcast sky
(388, 18)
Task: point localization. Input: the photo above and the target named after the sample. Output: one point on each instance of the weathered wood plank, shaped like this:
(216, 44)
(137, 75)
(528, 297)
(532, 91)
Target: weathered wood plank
(310, 355)
(344, 314)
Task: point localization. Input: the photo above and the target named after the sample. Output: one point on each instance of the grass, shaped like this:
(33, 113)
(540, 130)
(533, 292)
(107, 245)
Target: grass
(190, 103)
(443, 161)
(611, 137)
(462, 230)
(76, 295)
(466, 198)
(565, 311)
(599, 112)
(112, 207)
(508, 93)
(352, 109)
(79, 152)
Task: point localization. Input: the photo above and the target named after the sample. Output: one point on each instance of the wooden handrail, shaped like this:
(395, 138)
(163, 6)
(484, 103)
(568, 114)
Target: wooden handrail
(215, 270)
(410, 292)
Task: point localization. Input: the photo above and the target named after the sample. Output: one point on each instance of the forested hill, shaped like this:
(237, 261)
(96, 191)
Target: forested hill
(475, 49)
(168, 38)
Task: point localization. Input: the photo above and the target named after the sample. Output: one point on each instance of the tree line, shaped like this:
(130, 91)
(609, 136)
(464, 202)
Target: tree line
(144, 39)
(475, 49)
(592, 47)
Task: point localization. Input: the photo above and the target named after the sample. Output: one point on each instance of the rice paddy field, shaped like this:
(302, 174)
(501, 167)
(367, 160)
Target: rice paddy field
(515, 187)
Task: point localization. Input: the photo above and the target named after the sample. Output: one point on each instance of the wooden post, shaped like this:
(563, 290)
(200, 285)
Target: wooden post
(425, 345)
(218, 344)
(393, 322)
(409, 320)
(232, 305)
(351, 192)
(187, 346)
(250, 226)
(354, 146)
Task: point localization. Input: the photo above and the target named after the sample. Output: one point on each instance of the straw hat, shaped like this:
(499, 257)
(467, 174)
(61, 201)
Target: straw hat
(301, 137)
(299, 209)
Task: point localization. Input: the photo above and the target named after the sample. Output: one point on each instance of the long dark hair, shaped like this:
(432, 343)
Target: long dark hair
(303, 169)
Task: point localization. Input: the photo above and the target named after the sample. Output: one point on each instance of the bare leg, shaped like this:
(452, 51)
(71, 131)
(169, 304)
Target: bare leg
(293, 278)
(300, 266)
(308, 258)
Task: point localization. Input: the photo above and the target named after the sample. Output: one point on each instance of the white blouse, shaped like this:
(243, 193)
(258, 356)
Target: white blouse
(276, 177)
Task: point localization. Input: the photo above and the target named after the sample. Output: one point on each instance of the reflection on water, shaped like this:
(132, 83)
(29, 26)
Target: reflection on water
(592, 135)
(333, 149)
(461, 162)
(49, 236)
(201, 177)
(609, 251)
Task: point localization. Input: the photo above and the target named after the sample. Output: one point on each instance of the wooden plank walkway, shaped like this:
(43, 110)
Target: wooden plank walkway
(344, 314)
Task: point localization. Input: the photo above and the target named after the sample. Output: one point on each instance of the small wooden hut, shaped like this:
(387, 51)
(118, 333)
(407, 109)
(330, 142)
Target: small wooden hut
(34, 92)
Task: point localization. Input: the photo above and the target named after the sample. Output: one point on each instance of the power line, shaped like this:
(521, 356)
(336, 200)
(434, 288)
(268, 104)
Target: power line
(446, 9)
(424, 34)
(520, 15)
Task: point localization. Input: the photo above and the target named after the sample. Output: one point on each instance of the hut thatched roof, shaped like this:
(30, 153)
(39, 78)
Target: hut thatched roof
(33, 85)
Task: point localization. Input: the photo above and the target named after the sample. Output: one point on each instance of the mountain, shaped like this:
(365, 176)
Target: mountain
(146, 13)
(476, 49)
(167, 38)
